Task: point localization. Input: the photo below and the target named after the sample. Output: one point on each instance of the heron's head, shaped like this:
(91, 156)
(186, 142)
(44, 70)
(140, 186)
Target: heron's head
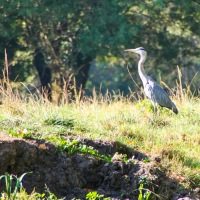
(139, 50)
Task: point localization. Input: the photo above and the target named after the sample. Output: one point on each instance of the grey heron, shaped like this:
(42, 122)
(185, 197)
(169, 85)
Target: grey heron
(152, 89)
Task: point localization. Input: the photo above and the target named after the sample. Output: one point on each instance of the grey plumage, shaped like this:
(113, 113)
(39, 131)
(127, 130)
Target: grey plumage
(152, 89)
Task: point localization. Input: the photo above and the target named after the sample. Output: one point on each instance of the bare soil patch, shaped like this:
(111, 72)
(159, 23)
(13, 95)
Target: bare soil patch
(74, 175)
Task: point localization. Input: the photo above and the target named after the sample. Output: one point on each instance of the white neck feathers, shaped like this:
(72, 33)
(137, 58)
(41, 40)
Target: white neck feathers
(141, 71)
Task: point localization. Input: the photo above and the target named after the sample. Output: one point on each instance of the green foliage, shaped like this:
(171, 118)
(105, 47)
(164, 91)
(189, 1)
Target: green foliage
(76, 146)
(122, 157)
(145, 195)
(68, 146)
(144, 180)
(8, 184)
(145, 104)
(146, 160)
(99, 31)
(19, 191)
(60, 122)
(174, 138)
(20, 133)
(93, 196)
(125, 158)
(48, 196)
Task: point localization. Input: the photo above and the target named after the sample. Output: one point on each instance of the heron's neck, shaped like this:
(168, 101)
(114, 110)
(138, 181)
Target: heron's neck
(141, 71)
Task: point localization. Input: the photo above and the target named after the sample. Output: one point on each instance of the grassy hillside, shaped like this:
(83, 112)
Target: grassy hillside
(174, 139)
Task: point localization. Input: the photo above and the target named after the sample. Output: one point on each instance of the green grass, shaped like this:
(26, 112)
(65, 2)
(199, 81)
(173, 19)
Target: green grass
(175, 138)
(19, 192)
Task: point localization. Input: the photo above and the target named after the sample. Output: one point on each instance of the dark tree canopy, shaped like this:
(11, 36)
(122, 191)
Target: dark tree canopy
(74, 35)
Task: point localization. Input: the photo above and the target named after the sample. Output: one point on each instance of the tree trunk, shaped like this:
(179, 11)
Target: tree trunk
(44, 73)
(81, 70)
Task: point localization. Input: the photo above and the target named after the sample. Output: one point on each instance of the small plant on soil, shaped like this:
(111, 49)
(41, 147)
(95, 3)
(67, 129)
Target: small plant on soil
(19, 192)
(143, 195)
(94, 196)
(76, 146)
(146, 194)
(49, 195)
(121, 157)
(144, 180)
(145, 160)
(9, 182)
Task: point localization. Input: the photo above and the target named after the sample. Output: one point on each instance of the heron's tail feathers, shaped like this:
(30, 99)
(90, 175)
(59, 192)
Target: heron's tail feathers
(174, 109)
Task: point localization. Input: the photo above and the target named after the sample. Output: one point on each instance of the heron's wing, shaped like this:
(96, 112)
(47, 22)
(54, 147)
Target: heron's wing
(157, 94)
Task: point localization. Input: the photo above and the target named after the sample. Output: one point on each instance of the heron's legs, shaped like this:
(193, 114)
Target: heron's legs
(156, 110)
(154, 107)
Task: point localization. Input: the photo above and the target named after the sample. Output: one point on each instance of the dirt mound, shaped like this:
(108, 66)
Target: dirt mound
(73, 175)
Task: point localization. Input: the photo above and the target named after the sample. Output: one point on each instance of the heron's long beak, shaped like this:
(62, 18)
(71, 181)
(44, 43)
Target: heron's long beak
(131, 50)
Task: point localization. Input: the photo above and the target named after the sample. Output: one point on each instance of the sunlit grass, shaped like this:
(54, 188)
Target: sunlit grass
(175, 138)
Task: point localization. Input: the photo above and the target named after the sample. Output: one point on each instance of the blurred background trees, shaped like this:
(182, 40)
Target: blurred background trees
(73, 46)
